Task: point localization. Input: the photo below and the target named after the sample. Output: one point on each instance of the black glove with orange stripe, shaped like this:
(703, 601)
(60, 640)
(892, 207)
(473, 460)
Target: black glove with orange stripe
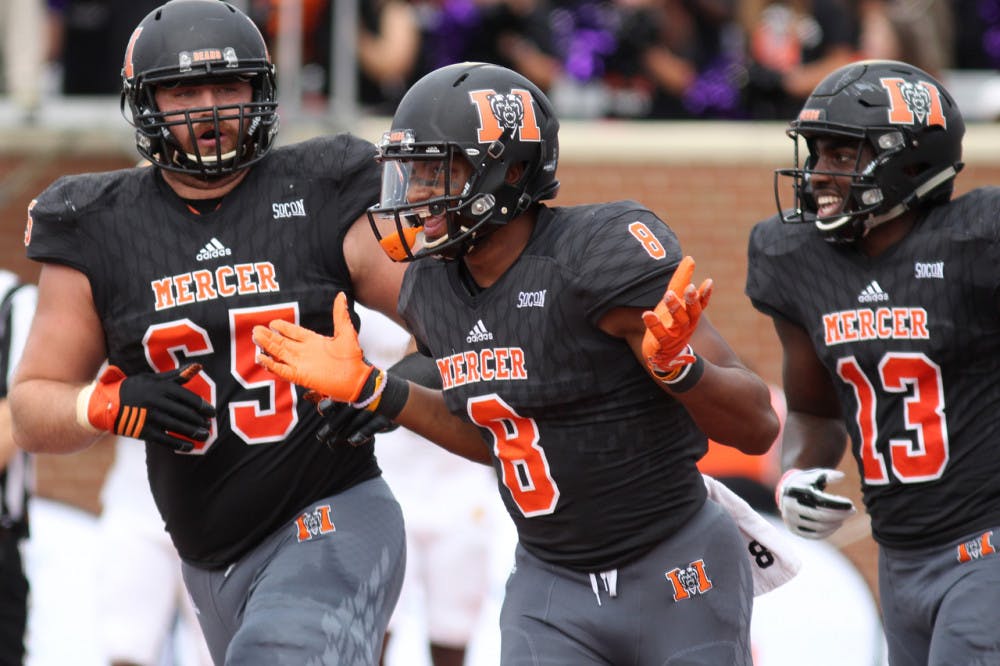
(151, 407)
(343, 424)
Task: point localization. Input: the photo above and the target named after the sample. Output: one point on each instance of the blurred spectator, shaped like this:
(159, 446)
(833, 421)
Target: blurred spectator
(647, 59)
(977, 33)
(791, 46)
(61, 560)
(388, 47)
(920, 32)
(23, 52)
(93, 37)
(676, 58)
(513, 33)
(388, 50)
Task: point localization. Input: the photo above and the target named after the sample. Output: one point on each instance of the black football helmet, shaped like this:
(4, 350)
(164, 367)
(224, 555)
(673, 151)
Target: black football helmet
(488, 115)
(193, 42)
(911, 124)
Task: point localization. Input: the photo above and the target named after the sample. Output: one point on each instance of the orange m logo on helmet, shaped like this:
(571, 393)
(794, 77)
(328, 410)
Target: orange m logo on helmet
(129, 69)
(910, 103)
(498, 112)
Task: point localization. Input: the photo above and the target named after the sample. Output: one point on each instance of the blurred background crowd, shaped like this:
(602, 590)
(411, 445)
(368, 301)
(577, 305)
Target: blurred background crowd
(630, 59)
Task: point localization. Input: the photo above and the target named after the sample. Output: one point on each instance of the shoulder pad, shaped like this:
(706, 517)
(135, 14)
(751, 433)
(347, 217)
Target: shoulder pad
(331, 156)
(772, 237)
(73, 196)
(620, 254)
(974, 215)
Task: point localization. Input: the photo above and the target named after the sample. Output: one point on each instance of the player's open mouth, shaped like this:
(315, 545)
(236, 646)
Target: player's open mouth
(208, 137)
(829, 205)
(435, 227)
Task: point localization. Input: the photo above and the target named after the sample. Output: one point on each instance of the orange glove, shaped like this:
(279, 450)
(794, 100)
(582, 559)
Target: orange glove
(335, 366)
(670, 326)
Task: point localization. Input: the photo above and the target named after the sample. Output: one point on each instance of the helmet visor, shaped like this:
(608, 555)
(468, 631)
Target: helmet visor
(414, 212)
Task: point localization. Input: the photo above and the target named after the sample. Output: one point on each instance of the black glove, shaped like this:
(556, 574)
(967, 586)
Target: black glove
(343, 424)
(151, 407)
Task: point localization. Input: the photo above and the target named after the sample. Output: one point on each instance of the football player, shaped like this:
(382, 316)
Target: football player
(575, 359)
(291, 551)
(883, 292)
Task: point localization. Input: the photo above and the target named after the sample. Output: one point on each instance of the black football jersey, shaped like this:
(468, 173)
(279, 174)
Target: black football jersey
(172, 286)
(595, 462)
(912, 341)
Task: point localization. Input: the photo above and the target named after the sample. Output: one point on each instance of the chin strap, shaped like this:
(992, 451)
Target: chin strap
(211, 159)
(918, 195)
(873, 221)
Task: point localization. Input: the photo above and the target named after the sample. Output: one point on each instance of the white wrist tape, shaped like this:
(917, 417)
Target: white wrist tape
(82, 407)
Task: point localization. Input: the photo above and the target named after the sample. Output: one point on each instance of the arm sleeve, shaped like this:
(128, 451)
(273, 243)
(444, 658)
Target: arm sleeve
(419, 369)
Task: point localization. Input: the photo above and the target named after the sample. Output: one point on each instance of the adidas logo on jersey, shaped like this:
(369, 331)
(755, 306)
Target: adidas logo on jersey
(873, 293)
(479, 333)
(213, 250)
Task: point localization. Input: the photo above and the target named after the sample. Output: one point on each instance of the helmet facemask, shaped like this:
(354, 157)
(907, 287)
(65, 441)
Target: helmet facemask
(862, 203)
(469, 207)
(156, 141)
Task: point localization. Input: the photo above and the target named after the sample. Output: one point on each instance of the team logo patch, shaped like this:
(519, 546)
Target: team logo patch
(928, 269)
(977, 548)
(531, 299)
(213, 250)
(315, 523)
(914, 103)
(505, 111)
(282, 210)
(873, 293)
(689, 581)
(478, 333)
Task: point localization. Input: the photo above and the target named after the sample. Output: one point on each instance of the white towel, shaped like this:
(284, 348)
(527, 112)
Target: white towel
(769, 571)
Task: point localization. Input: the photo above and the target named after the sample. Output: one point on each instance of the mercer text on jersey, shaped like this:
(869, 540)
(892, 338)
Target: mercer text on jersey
(878, 324)
(484, 365)
(208, 284)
